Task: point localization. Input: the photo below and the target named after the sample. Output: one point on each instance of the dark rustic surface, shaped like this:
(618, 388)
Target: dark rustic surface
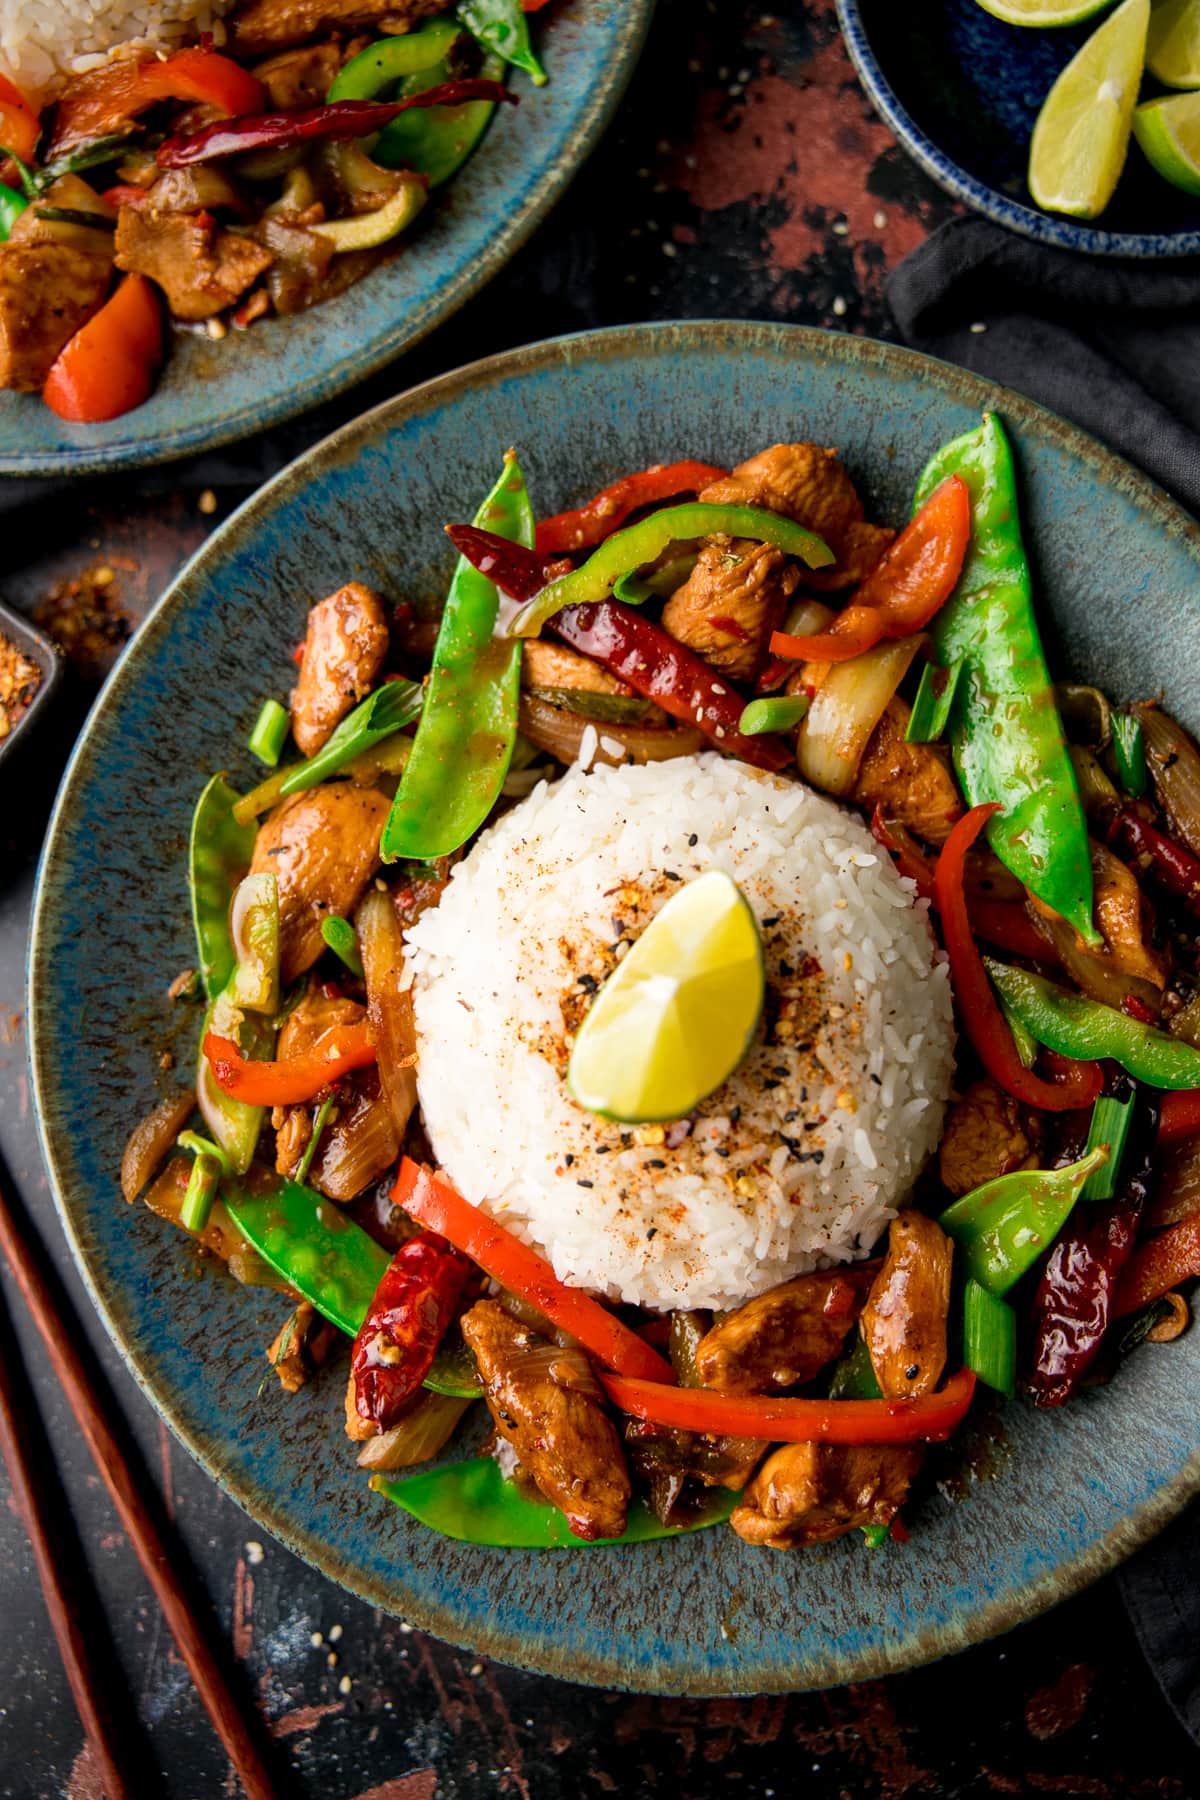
(745, 176)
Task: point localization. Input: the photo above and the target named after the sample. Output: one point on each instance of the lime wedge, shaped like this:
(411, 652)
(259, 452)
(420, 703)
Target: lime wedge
(1043, 12)
(674, 1020)
(1169, 134)
(1082, 132)
(1173, 43)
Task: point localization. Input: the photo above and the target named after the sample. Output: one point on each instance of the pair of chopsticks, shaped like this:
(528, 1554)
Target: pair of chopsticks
(60, 1335)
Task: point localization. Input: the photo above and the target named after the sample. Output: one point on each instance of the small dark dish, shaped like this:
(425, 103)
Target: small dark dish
(32, 648)
(962, 91)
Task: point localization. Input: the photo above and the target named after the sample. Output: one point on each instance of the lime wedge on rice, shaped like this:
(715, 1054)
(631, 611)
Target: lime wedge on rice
(1169, 134)
(1173, 43)
(1082, 132)
(1043, 12)
(676, 1017)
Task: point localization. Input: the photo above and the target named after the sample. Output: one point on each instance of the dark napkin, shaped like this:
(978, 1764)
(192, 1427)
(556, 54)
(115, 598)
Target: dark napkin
(1114, 346)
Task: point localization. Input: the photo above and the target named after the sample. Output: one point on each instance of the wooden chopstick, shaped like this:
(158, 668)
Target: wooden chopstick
(73, 1645)
(144, 1533)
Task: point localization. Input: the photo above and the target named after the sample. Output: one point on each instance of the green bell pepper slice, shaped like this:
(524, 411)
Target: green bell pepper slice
(436, 141)
(1005, 731)
(1088, 1030)
(465, 739)
(219, 854)
(854, 1375)
(473, 1502)
(335, 1265)
(501, 26)
(1003, 1227)
(645, 542)
(381, 65)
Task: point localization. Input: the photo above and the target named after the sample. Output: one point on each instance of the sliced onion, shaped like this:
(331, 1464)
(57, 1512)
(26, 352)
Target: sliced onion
(849, 703)
(560, 733)
(1085, 712)
(358, 1146)
(1174, 765)
(418, 1436)
(389, 1006)
(150, 1141)
(807, 617)
(1105, 975)
(1101, 800)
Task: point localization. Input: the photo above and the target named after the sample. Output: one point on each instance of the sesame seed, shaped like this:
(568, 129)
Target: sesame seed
(254, 1553)
(978, 327)
(840, 228)
(335, 1632)
(879, 221)
(345, 1684)
(316, 1640)
(839, 307)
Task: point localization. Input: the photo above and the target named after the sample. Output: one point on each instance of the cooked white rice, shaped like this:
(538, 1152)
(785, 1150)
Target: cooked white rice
(802, 1156)
(43, 41)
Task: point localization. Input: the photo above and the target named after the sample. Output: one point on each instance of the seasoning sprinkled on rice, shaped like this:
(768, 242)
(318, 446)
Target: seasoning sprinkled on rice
(802, 1156)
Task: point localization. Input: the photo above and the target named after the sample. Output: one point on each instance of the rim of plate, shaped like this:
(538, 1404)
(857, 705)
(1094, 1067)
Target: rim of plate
(972, 1625)
(254, 415)
(1044, 228)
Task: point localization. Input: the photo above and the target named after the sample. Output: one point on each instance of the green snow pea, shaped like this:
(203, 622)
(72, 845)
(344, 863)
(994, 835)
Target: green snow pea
(473, 1502)
(1005, 731)
(1089, 1030)
(219, 854)
(501, 26)
(1003, 1227)
(465, 739)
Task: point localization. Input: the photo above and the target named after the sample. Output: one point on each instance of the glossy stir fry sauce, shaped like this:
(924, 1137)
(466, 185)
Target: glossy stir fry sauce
(1054, 832)
(213, 188)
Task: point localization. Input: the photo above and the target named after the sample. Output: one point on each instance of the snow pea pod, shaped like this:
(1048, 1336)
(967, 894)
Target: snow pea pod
(219, 854)
(473, 1502)
(1003, 1227)
(1005, 732)
(465, 739)
(1088, 1030)
(501, 25)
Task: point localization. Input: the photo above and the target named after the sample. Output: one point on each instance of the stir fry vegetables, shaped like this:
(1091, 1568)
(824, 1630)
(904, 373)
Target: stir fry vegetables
(109, 365)
(801, 1411)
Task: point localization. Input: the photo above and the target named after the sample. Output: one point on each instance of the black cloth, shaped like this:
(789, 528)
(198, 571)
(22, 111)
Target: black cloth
(1115, 347)
(1112, 345)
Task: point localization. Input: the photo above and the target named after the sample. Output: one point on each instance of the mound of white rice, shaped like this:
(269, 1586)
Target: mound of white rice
(43, 41)
(796, 1161)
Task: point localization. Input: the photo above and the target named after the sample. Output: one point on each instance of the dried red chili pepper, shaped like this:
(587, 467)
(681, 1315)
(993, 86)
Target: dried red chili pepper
(1175, 869)
(407, 1319)
(1075, 1299)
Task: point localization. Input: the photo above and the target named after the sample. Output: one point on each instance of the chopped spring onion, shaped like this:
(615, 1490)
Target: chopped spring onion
(779, 712)
(199, 1194)
(270, 733)
(935, 697)
(990, 1338)
(1129, 754)
(342, 939)
(310, 1149)
(1110, 1125)
(202, 1146)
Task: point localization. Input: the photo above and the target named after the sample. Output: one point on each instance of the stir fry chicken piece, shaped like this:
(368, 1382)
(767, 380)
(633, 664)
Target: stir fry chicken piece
(813, 1493)
(987, 1134)
(547, 665)
(47, 291)
(300, 77)
(322, 846)
(904, 1320)
(910, 781)
(731, 602)
(262, 25)
(546, 1403)
(783, 1338)
(344, 648)
(809, 484)
(200, 268)
(1126, 922)
(300, 1347)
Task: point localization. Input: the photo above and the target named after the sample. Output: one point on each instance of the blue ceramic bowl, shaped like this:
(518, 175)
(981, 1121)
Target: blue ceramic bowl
(1027, 1507)
(962, 91)
(213, 392)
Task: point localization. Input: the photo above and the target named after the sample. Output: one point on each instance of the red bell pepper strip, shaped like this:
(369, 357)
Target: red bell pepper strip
(1180, 1115)
(982, 1018)
(435, 1204)
(1175, 869)
(405, 1323)
(593, 522)
(1159, 1265)
(100, 103)
(656, 665)
(917, 575)
(109, 366)
(928, 1418)
(295, 1078)
(998, 922)
(20, 127)
(337, 119)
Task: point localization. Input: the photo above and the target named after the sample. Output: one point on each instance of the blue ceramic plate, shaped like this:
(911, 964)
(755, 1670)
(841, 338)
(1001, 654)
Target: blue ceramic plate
(961, 91)
(1027, 1507)
(211, 393)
